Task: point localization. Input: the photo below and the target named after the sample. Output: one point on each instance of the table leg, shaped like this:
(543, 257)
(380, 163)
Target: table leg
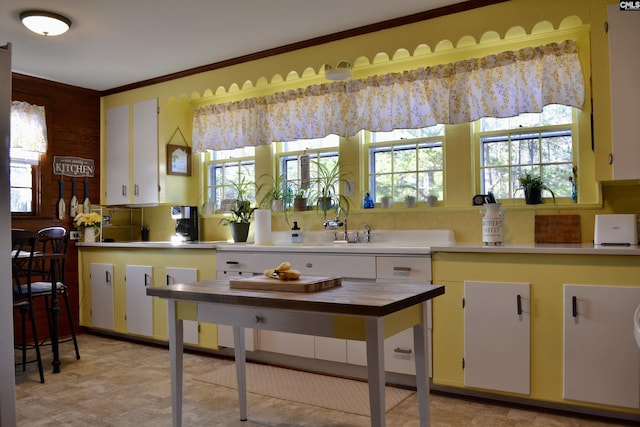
(241, 369)
(55, 308)
(176, 357)
(421, 343)
(375, 368)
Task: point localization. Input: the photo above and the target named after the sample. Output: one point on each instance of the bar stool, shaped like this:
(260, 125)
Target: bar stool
(22, 254)
(53, 240)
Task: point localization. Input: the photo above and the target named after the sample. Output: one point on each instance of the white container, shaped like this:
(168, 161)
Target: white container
(262, 227)
(492, 224)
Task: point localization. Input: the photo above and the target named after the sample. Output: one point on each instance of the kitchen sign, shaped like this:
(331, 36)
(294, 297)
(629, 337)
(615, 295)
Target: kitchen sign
(73, 166)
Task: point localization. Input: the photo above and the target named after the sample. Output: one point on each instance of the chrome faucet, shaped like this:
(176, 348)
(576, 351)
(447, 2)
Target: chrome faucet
(367, 233)
(333, 224)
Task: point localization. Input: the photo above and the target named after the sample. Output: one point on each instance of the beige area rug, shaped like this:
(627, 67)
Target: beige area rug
(324, 391)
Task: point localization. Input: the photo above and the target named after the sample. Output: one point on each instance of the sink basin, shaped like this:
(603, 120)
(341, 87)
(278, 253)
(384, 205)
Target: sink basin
(636, 325)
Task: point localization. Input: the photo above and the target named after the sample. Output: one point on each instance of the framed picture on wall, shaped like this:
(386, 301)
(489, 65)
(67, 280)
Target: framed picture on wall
(178, 160)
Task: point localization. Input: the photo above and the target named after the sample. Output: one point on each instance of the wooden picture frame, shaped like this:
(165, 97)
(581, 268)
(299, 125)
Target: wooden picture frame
(178, 160)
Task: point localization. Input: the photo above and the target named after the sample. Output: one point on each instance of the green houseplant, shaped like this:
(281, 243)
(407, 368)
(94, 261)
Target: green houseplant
(240, 211)
(275, 192)
(532, 186)
(327, 195)
(300, 197)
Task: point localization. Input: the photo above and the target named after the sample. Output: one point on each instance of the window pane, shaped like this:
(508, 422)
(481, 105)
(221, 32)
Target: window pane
(430, 158)
(557, 149)
(21, 192)
(404, 158)
(382, 162)
(496, 180)
(330, 141)
(382, 186)
(524, 151)
(430, 183)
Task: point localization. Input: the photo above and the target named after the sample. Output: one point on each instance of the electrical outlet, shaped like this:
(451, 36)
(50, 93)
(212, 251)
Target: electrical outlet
(74, 235)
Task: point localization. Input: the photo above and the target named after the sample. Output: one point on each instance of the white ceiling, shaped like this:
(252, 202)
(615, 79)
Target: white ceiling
(113, 43)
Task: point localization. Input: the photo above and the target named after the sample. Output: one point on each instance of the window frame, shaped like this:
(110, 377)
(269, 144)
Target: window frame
(36, 191)
(285, 156)
(556, 130)
(426, 142)
(211, 187)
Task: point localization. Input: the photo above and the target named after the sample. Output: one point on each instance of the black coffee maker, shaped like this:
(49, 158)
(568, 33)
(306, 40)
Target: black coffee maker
(186, 222)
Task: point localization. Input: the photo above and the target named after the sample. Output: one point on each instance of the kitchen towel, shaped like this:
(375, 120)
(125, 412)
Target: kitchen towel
(262, 228)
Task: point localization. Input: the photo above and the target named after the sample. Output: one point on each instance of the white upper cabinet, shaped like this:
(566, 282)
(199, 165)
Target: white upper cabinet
(117, 149)
(624, 32)
(132, 154)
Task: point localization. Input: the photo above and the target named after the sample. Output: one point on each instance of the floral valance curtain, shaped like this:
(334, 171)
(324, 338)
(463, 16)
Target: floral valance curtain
(502, 85)
(28, 127)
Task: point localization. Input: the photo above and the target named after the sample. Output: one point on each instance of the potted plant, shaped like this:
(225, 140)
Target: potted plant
(533, 187)
(327, 184)
(276, 192)
(300, 198)
(241, 212)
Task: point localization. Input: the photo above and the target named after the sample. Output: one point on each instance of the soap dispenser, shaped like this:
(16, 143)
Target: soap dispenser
(296, 234)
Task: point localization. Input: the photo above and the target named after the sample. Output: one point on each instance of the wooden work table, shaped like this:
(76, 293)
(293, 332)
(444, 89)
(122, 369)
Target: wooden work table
(323, 313)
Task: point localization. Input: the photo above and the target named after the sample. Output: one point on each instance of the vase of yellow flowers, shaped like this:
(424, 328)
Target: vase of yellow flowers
(89, 224)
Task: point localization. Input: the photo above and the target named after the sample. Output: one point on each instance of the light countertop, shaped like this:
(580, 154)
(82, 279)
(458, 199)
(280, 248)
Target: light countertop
(407, 248)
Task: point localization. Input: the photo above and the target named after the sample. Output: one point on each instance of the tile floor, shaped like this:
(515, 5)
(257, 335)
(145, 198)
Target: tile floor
(121, 384)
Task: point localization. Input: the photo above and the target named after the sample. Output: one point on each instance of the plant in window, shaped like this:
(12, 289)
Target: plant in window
(327, 183)
(276, 193)
(241, 211)
(533, 187)
(300, 197)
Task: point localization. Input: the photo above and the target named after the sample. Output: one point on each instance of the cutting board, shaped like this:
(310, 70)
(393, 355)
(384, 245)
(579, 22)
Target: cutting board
(557, 229)
(303, 284)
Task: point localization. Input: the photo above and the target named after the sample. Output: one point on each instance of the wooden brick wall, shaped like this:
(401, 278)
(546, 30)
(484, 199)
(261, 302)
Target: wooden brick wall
(73, 127)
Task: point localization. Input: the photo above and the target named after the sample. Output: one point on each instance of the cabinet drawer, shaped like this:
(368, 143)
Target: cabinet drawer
(345, 266)
(406, 269)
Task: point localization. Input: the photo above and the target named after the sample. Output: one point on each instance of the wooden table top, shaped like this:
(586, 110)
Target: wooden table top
(352, 298)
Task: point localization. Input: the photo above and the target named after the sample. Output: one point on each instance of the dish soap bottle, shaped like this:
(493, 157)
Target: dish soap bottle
(296, 234)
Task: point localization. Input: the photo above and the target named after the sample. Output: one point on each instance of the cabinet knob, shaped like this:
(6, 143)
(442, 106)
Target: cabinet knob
(258, 319)
(308, 265)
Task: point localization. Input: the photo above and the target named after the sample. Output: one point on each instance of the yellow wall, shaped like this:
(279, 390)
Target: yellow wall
(473, 33)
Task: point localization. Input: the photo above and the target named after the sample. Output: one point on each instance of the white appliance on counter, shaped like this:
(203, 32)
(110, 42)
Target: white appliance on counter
(616, 229)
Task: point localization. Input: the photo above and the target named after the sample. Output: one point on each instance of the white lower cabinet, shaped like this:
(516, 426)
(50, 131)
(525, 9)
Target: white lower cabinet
(185, 275)
(102, 313)
(497, 336)
(139, 304)
(601, 358)
(399, 352)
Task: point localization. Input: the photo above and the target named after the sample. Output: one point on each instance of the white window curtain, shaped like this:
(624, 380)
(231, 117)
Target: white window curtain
(28, 128)
(502, 85)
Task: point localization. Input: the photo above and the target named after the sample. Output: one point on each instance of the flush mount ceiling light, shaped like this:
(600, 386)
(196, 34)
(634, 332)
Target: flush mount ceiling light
(45, 23)
(341, 72)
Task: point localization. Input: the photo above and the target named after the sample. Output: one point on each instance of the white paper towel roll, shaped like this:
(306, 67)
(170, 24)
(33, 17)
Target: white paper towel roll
(262, 227)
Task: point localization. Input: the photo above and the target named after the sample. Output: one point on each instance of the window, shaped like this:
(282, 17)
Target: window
(28, 141)
(322, 150)
(226, 168)
(24, 176)
(538, 143)
(407, 162)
